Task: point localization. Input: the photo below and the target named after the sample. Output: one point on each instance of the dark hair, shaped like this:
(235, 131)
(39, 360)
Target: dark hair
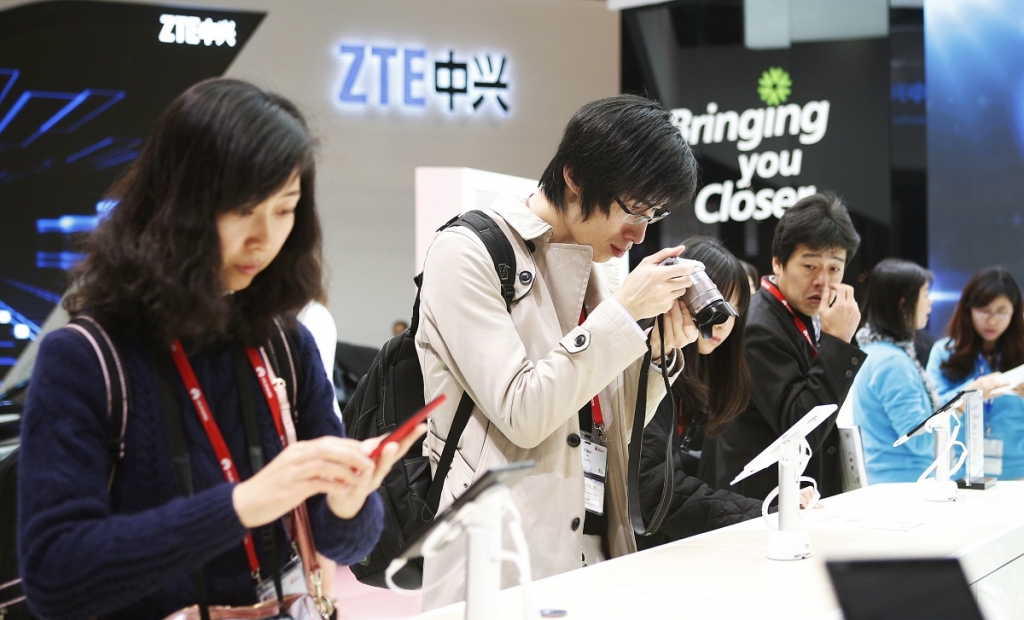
(964, 342)
(154, 265)
(890, 304)
(752, 273)
(713, 389)
(819, 221)
(622, 147)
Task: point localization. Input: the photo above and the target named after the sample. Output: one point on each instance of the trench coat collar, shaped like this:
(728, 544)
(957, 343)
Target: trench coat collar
(521, 219)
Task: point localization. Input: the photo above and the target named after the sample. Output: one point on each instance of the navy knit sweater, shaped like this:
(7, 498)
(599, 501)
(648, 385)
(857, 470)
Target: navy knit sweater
(131, 553)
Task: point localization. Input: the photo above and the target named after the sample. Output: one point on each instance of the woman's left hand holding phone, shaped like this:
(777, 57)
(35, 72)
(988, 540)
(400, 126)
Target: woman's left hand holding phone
(338, 467)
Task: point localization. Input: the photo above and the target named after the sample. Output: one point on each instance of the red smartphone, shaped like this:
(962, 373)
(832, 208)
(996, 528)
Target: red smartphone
(399, 433)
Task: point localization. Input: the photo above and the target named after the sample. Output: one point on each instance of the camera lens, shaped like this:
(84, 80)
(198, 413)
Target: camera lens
(704, 301)
(715, 313)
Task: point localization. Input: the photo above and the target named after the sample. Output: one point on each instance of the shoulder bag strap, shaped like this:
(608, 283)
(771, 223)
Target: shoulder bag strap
(451, 444)
(636, 442)
(175, 432)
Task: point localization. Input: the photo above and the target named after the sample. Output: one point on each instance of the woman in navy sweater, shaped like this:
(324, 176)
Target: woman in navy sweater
(215, 234)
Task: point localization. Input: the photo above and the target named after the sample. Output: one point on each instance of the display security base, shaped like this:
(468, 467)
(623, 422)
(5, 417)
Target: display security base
(941, 491)
(977, 484)
(791, 545)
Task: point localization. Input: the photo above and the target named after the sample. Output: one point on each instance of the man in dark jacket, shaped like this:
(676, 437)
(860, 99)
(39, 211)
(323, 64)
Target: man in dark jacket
(799, 332)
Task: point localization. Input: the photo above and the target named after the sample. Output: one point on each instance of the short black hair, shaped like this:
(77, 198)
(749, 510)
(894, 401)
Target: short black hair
(622, 147)
(890, 304)
(819, 221)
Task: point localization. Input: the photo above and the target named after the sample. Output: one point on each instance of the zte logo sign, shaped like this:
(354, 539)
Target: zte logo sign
(385, 76)
(191, 30)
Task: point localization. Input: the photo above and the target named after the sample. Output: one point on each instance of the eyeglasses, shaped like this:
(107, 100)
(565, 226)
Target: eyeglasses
(636, 218)
(1001, 314)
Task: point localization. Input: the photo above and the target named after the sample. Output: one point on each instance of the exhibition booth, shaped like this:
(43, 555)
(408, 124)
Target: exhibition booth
(425, 109)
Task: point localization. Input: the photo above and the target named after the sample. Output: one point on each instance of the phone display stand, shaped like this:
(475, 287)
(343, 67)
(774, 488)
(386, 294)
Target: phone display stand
(791, 451)
(974, 476)
(941, 488)
(477, 516)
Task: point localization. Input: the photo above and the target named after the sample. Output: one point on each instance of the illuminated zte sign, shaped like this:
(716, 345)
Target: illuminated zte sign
(412, 78)
(191, 30)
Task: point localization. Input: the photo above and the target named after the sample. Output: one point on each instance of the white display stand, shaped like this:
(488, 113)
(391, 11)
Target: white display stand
(442, 193)
(792, 452)
(724, 573)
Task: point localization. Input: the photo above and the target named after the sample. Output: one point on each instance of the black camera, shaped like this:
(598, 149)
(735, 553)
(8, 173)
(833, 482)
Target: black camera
(704, 301)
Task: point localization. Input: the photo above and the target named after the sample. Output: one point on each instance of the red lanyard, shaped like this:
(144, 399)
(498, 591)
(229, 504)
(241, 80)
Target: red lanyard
(595, 403)
(800, 326)
(220, 448)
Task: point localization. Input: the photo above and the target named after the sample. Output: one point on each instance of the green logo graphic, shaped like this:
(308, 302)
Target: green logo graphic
(774, 87)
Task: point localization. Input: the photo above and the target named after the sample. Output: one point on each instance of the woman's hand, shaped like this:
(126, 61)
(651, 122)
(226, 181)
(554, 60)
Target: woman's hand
(988, 384)
(338, 467)
(346, 502)
(680, 330)
(651, 288)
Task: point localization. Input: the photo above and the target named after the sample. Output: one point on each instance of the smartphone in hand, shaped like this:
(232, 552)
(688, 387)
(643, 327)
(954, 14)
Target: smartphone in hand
(407, 427)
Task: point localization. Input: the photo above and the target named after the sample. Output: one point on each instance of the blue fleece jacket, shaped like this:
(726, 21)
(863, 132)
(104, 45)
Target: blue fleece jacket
(890, 399)
(1004, 416)
(131, 553)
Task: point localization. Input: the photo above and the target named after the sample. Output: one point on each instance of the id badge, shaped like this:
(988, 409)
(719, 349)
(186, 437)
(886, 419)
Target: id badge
(595, 458)
(595, 470)
(293, 581)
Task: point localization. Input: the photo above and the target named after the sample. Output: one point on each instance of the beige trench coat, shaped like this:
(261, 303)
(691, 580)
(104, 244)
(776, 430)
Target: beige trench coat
(528, 374)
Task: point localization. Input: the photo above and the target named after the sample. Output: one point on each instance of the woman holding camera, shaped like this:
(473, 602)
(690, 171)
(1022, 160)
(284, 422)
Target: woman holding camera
(712, 389)
(986, 338)
(892, 394)
(215, 237)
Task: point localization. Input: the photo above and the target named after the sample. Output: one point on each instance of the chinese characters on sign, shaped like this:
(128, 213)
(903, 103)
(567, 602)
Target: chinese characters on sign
(385, 76)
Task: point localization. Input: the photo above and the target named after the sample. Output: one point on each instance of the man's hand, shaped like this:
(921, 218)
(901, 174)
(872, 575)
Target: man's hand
(838, 312)
(651, 288)
(680, 330)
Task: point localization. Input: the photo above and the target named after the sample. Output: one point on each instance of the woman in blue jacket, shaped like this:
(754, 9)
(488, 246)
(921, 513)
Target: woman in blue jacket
(892, 393)
(985, 339)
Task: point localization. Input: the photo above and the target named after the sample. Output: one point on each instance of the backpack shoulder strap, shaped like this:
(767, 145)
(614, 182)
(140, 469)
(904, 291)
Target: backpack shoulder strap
(115, 378)
(498, 246)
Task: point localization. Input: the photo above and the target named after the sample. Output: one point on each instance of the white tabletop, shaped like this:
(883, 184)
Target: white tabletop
(725, 574)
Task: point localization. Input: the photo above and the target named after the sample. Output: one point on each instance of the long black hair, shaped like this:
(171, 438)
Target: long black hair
(965, 343)
(713, 389)
(154, 265)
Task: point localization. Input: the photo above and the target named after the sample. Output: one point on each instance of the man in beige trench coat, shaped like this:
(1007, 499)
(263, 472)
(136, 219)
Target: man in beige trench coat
(570, 350)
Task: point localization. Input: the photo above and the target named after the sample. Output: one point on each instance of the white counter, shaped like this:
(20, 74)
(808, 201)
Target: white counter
(725, 574)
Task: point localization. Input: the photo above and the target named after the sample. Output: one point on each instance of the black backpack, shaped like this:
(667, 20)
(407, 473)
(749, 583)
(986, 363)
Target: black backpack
(280, 349)
(389, 394)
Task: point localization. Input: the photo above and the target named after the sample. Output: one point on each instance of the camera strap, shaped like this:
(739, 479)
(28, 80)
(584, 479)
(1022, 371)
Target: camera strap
(636, 443)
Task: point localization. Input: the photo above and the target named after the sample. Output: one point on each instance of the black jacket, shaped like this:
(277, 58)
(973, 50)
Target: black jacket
(788, 381)
(695, 507)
